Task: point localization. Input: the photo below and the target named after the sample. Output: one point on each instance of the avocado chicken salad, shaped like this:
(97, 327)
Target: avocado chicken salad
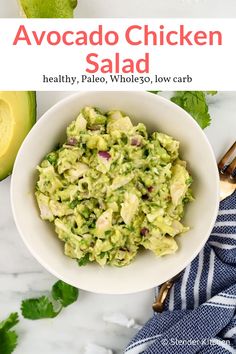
(112, 189)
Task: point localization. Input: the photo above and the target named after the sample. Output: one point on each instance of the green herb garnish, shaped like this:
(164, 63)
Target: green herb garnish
(62, 295)
(35, 309)
(8, 338)
(74, 203)
(194, 102)
(83, 261)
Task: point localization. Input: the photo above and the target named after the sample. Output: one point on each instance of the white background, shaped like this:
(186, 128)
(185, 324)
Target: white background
(212, 67)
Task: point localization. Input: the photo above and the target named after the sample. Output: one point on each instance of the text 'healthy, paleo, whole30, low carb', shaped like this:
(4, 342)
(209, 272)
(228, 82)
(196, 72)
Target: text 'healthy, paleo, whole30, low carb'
(112, 189)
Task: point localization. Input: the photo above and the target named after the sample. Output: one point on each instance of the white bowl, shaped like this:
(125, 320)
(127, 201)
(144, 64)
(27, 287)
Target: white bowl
(147, 270)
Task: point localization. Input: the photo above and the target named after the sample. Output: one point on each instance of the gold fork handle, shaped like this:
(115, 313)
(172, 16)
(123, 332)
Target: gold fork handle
(232, 169)
(227, 159)
(159, 303)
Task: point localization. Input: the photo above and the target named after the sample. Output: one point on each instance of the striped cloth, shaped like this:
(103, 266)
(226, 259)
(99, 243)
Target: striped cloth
(200, 315)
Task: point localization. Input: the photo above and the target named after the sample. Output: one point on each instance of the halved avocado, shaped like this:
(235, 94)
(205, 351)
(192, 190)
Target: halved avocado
(17, 116)
(48, 8)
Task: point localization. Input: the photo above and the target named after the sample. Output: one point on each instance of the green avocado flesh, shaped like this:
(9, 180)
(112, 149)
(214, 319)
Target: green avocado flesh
(48, 8)
(112, 189)
(17, 116)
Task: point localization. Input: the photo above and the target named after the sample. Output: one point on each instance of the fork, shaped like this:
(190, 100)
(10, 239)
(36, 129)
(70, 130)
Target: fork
(227, 173)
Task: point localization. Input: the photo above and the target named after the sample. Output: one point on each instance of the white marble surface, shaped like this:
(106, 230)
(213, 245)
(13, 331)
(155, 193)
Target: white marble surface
(82, 323)
(141, 8)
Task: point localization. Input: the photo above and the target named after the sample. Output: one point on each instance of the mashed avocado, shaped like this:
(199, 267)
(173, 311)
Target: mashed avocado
(112, 189)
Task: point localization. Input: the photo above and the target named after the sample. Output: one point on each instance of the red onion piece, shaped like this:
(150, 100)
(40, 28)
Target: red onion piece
(144, 231)
(94, 127)
(135, 142)
(150, 189)
(72, 141)
(104, 154)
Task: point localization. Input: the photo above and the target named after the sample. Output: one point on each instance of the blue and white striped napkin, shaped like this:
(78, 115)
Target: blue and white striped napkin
(200, 315)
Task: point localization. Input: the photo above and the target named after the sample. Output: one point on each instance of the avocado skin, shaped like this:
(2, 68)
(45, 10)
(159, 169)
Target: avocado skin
(32, 109)
(48, 9)
(74, 3)
(33, 105)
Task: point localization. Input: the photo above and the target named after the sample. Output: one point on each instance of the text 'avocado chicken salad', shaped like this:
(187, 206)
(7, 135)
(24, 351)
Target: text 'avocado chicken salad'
(112, 189)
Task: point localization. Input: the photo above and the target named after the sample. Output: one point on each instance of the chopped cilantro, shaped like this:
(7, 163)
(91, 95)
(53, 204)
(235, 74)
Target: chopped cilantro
(84, 260)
